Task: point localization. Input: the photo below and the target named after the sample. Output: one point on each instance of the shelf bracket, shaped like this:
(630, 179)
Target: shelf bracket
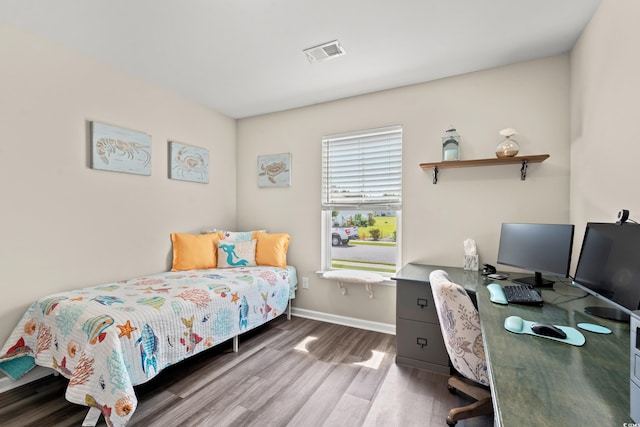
(435, 174)
(523, 170)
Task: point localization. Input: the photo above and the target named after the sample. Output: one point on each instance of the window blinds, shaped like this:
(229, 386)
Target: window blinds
(362, 170)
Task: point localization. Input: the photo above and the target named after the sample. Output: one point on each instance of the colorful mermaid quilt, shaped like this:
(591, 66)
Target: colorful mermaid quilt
(106, 339)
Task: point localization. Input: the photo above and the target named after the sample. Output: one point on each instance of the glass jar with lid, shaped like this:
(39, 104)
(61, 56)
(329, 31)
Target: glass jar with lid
(450, 145)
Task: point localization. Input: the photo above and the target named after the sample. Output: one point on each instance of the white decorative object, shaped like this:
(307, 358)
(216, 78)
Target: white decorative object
(470, 259)
(509, 147)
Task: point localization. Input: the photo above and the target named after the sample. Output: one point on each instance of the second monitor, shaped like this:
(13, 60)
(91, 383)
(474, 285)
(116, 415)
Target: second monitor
(541, 248)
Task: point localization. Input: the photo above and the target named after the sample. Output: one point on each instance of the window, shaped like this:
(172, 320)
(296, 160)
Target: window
(362, 199)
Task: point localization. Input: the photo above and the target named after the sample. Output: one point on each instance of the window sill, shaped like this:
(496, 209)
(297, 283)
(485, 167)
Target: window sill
(387, 281)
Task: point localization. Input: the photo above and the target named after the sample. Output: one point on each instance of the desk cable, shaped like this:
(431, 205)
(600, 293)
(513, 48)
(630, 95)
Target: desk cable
(560, 294)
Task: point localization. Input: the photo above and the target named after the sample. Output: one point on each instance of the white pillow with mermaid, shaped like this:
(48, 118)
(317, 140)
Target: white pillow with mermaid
(236, 254)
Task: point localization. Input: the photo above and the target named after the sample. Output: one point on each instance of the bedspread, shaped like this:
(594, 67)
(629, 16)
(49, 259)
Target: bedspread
(106, 339)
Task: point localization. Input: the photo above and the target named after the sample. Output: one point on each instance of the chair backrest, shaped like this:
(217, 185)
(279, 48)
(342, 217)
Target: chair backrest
(460, 325)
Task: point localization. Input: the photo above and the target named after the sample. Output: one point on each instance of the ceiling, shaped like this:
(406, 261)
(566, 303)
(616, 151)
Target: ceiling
(244, 57)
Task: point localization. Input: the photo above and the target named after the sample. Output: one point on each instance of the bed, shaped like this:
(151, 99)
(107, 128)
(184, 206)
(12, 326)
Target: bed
(106, 339)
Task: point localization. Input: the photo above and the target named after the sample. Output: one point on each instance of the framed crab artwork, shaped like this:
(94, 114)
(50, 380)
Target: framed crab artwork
(118, 149)
(188, 163)
(274, 170)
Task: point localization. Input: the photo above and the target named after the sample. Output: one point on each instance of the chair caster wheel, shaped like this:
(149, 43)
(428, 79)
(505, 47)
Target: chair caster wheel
(451, 422)
(452, 390)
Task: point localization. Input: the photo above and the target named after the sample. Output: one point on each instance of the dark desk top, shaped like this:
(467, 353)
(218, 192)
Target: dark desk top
(540, 382)
(420, 273)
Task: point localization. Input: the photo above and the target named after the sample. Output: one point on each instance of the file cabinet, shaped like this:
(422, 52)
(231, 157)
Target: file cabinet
(418, 336)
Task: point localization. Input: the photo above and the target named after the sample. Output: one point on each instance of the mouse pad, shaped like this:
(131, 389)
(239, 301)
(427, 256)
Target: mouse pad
(518, 325)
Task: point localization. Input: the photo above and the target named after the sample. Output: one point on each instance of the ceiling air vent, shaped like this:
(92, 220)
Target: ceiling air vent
(324, 51)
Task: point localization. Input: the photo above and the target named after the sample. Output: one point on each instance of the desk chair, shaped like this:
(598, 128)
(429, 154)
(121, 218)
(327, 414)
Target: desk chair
(460, 325)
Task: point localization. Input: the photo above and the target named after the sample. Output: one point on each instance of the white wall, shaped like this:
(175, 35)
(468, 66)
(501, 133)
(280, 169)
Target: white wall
(532, 97)
(605, 141)
(66, 226)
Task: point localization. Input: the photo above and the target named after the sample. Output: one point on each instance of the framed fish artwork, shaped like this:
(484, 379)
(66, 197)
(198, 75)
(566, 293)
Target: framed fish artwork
(274, 170)
(188, 163)
(118, 149)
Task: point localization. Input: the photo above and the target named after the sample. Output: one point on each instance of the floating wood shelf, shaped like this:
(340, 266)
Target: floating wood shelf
(523, 160)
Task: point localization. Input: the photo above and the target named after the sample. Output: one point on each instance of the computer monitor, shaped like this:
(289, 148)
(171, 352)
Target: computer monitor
(541, 248)
(609, 268)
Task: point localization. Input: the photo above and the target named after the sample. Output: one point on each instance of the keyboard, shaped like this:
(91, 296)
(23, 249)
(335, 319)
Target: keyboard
(522, 294)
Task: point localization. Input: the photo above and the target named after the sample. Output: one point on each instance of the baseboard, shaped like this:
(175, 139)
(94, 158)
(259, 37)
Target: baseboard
(36, 373)
(385, 328)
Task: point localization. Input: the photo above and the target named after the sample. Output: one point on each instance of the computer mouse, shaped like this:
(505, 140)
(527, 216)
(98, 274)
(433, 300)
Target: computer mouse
(548, 330)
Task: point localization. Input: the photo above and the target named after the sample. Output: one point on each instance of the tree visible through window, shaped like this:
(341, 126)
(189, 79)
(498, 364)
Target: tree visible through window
(362, 199)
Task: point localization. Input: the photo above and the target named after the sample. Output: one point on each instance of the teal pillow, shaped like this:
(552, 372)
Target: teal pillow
(237, 236)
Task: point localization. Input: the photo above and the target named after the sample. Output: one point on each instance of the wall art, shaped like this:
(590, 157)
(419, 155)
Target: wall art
(120, 150)
(188, 163)
(274, 170)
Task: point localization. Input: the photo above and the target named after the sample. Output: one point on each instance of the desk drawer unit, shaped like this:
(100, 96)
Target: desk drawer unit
(418, 335)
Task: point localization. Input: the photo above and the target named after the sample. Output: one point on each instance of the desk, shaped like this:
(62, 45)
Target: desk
(540, 382)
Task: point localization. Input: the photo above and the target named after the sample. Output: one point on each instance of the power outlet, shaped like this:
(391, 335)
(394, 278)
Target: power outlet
(305, 283)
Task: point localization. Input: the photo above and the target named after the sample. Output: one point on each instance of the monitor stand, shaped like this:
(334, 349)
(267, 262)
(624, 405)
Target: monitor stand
(608, 313)
(534, 281)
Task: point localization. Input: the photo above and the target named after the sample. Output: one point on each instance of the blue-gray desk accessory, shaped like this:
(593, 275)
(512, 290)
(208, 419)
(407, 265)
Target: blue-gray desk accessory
(598, 329)
(518, 325)
(496, 293)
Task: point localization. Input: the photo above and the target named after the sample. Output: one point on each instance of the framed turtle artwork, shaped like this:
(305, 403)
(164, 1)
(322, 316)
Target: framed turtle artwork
(274, 170)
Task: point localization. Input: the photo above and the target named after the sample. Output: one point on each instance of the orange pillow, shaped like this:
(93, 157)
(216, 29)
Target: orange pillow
(194, 251)
(271, 249)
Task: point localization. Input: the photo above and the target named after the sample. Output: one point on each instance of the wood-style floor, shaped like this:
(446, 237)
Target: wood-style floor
(296, 372)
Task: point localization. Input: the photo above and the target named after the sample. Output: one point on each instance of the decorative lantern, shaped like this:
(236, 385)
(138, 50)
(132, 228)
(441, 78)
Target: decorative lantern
(451, 145)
